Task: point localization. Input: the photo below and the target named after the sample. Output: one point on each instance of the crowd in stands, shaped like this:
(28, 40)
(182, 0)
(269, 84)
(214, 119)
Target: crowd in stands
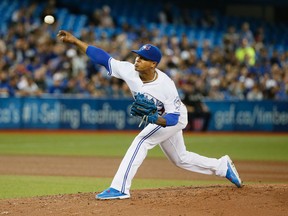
(34, 63)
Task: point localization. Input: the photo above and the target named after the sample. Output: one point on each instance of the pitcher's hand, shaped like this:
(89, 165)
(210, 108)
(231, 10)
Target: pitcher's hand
(66, 37)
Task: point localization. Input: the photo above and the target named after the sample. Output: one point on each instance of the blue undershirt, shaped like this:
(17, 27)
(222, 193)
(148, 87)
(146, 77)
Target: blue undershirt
(171, 119)
(98, 56)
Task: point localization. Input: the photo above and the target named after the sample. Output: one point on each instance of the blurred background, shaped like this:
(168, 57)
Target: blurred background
(229, 61)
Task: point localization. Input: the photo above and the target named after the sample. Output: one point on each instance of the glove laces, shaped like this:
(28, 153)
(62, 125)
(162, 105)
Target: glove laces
(144, 119)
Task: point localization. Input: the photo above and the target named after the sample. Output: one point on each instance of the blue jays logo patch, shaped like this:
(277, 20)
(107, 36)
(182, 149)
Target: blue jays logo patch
(177, 103)
(146, 47)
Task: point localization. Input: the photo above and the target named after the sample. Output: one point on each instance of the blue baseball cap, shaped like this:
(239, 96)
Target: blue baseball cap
(149, 52)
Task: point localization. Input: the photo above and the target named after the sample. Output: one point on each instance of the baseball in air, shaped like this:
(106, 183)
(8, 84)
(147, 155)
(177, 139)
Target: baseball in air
(49, 19)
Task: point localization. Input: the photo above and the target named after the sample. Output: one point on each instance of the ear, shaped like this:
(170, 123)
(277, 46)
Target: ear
(154, 64)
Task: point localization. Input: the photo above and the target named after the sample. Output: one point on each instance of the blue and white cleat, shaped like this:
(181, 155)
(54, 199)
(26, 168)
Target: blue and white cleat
(112, 193)
(232, 174)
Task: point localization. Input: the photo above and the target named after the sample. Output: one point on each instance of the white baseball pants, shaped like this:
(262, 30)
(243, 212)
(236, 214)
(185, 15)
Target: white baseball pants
(172, 144)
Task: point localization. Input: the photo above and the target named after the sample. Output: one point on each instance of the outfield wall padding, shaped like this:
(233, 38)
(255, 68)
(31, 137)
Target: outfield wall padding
(113, 114)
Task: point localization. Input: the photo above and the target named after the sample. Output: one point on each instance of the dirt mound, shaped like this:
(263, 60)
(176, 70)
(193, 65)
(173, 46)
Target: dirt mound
(206, 200)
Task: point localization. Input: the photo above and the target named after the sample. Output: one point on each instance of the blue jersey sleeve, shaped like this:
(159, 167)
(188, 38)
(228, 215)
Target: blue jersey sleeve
(98, 56)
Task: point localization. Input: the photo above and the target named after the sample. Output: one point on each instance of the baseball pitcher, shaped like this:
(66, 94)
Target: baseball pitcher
(163, 114)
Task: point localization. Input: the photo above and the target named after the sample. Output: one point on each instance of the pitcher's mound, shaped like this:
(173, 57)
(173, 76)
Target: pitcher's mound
(256, 200)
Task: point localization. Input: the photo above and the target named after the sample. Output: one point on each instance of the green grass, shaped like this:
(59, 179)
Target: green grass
(241, 146)
(238, 146)
(31, 186)
(65, 144)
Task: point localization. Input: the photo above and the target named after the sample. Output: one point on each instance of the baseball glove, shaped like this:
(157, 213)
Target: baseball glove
(145, 108)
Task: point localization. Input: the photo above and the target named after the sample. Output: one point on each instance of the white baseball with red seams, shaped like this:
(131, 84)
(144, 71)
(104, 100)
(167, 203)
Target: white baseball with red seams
(170, 138)
(49, 19)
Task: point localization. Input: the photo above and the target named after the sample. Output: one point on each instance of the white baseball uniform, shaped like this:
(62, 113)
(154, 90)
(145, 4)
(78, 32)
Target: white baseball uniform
(170, 138)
